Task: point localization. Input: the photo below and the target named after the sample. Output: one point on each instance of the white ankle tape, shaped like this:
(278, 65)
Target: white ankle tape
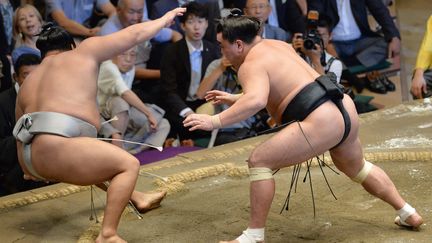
(251, 236)
(363, 173)
(405, 212)
(260, 173)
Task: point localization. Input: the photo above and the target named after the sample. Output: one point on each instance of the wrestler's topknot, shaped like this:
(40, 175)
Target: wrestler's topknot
(239, 27)
(52, 38)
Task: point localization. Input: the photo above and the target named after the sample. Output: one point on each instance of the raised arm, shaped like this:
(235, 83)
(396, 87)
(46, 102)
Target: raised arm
(102, 48)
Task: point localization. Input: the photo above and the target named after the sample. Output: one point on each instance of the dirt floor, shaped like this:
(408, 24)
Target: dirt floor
(209, 200)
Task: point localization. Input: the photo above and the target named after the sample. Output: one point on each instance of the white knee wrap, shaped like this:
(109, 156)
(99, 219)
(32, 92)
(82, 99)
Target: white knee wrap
(364, 172)
(260, 173)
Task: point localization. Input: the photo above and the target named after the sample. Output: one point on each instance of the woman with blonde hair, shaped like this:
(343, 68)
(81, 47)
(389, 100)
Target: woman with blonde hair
(27, 23)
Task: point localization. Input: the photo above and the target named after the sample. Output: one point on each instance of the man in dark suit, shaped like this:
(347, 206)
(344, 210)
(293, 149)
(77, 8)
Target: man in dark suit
(11, 175)
(354, 41)
(160, 7)
(182, 69)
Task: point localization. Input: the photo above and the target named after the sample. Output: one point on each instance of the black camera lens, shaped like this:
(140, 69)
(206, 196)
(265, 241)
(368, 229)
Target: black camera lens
(309, 44)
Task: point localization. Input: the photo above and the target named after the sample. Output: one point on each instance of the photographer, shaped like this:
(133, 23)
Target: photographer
(314, 44)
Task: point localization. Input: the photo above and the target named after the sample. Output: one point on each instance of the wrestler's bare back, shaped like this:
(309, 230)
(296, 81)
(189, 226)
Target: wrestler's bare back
(65, 83)
(281, 63)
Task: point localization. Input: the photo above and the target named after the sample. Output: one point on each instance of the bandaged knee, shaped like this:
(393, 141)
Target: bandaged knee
(251, 236)
(260, 173)
(364, 172)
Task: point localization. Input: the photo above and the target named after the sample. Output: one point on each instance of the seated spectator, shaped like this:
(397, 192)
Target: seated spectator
(74, 15)
(6, 43)
(130, 12)
(317, 56)
(160, 7)
(220, 75)
(421, 86)
(147, 6)
(261, 10)
(27, 24)
(285, 14)
(11, 175)
(355, 42)
(182, 68)
(6, 17)
(136, 121)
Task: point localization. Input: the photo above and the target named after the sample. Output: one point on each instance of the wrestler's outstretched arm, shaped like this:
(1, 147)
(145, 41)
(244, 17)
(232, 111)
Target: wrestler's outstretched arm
(256, 88)
(102, 48)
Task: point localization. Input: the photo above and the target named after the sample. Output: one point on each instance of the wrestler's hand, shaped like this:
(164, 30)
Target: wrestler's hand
(198, 121)
(218, 97)
(170, 16)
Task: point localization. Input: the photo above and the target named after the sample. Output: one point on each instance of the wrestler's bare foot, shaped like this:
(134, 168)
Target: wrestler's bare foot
(111, 239)
(414, 221)
(145, 202)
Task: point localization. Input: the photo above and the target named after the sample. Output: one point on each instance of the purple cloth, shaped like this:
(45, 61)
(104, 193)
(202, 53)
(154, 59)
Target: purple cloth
(150, 156)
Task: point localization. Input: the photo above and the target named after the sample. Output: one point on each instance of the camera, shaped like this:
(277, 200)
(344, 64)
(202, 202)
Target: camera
(312, 36)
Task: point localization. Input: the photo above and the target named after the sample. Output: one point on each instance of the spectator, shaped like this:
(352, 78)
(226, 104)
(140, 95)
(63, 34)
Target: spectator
(74, 15)
(11, 175)
(131, 12)
(137, 122)
(421, 86)
(160, 7)
(354, 41)
(318, 57)
(6, 16)
(182, 68)
(6, 12)
(27, 24)
(261, 10)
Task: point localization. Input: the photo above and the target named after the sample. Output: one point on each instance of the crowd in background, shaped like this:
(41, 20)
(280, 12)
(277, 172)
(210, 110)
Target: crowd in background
(145, 93)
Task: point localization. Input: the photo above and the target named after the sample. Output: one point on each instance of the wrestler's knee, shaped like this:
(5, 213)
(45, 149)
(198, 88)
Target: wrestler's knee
(257, 168)
(256, 160)
(132, 164)
(361, 176)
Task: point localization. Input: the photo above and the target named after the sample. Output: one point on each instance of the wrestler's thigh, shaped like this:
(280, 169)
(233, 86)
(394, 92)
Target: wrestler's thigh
(81, 160)
(348, 156)
(294, 144)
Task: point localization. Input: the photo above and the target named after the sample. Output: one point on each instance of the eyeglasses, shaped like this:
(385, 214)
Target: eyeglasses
(259, 6)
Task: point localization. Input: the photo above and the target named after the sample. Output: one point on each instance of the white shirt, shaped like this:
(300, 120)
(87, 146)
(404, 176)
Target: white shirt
(347, 28)
(273, 18)
(196, 64)
(111, 82)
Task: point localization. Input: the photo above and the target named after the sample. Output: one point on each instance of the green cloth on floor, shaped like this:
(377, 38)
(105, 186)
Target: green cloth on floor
(362, 103)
